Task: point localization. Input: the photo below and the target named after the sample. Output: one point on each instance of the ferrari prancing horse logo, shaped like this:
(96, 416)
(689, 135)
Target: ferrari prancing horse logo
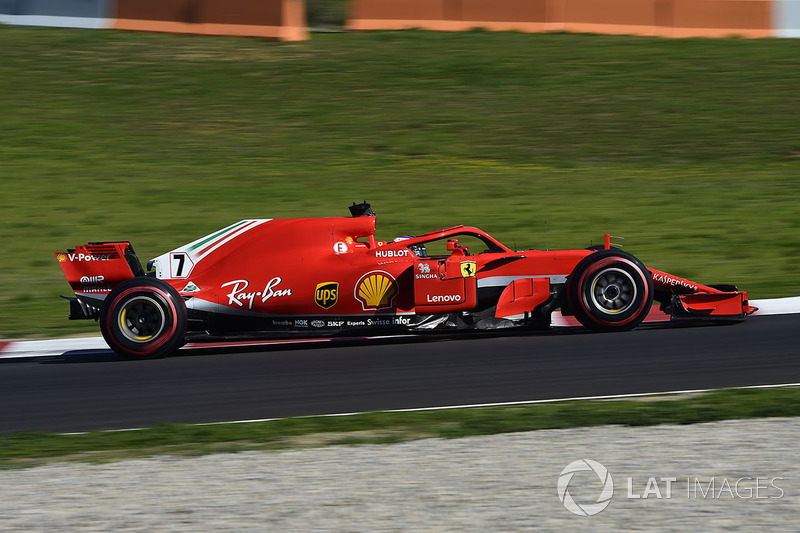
(468, 269)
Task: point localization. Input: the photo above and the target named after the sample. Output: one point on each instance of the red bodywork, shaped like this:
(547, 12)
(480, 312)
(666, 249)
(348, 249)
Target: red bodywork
(331, 273)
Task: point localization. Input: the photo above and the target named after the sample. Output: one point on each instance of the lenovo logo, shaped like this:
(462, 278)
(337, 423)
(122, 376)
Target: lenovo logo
(443, 298)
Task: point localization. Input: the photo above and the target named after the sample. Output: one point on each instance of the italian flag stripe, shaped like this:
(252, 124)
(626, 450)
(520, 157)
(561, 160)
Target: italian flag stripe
(202, 253)
(194, 246)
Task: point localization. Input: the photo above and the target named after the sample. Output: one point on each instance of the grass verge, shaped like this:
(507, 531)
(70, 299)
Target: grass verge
(689, 148)
(31, 449)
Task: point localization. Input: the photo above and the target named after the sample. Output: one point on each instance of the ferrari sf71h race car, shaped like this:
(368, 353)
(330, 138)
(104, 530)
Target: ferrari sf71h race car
(329, 276)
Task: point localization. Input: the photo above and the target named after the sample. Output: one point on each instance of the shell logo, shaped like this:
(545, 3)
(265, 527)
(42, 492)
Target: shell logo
(376, 290)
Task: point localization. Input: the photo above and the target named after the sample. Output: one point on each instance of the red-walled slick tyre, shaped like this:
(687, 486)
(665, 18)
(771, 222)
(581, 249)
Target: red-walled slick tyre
(610, 290)
(143, 318)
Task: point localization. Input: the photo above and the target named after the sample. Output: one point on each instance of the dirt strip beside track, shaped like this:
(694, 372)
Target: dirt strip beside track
(733, 475)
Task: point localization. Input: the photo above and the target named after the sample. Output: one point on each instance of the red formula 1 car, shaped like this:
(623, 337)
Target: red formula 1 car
(326, 276)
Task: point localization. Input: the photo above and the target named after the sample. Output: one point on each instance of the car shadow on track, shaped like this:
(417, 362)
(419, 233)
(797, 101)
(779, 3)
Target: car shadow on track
(256, 346)
(260, 346)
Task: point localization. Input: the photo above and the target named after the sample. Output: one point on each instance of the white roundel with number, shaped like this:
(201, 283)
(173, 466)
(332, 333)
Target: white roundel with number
(180, 265)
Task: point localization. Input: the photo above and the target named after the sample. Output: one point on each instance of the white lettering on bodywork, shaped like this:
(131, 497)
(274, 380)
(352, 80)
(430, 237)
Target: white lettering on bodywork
(669, 280)
(88, 257)
(445, 298)
(392, 253)
(239, 297)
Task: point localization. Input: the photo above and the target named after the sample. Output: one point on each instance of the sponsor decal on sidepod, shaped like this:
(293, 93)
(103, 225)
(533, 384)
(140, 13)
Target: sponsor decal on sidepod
(425, 272)
(376, 290)
(326, 294)
(239, 297)
(444, 298)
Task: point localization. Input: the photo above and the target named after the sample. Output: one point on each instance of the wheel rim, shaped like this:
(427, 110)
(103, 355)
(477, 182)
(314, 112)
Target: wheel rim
(613, 291)
(142, 319)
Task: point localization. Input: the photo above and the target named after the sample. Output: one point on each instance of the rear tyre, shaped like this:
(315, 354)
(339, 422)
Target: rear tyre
(143, 318)
(610, 290)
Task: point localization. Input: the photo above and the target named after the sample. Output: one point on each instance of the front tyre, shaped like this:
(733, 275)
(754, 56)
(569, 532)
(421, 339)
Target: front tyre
(610, 290)
(143, 318)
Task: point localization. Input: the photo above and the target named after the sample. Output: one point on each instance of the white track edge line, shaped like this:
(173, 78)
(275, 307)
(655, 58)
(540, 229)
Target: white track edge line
(465, 406)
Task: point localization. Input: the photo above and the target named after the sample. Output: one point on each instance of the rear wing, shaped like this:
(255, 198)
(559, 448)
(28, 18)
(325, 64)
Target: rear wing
(94, 269)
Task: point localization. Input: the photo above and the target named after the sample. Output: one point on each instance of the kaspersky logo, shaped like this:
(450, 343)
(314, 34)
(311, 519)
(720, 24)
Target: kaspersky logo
(376, 290)
(326, 294)
(585, 508)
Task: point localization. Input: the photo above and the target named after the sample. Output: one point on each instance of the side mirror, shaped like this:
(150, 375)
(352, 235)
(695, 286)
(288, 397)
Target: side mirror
(452, 244)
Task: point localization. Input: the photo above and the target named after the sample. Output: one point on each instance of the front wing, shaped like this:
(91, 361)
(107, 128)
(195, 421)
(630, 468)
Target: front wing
(690, 299)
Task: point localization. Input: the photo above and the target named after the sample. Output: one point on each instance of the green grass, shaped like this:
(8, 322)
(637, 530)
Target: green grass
(688, 148)
(30, 449)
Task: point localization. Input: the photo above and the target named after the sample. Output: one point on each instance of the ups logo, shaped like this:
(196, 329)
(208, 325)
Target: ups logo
(327, 294)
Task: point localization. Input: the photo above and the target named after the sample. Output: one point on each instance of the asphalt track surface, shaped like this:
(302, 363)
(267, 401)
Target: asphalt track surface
(82, 390)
